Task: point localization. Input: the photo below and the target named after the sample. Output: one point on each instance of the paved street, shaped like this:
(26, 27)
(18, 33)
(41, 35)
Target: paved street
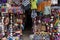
(26, 35)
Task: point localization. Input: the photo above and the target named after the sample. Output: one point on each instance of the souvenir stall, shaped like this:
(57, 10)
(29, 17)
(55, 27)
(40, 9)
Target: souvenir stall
(55, 11)
(16, 18)
(12, 16)
(45, 17)
(42, 19)
(4, 20)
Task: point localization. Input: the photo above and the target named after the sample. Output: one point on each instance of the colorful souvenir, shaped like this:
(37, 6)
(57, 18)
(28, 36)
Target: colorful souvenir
(33, 4)
(4, 9)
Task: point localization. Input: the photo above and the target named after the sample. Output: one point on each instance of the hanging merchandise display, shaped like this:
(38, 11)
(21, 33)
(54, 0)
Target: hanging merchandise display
(33, 4)
(6, 21)
(16, 1)
(43, 28)
(56, 23)
(20, 10)
(4, 9)
(2, 31)
(41, 5)
(58, 27)
(47, 20)
(15, 10)
(33, 14)
(47, 10)
(57, 36)
(57, 17)
(26, 4)
(19, 21)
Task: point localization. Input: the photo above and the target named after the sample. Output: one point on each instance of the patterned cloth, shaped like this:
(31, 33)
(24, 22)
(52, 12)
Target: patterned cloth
(25, 2)
(17, 1)
(40, 37)
(47, 10)
(33, 4)
(33, 14)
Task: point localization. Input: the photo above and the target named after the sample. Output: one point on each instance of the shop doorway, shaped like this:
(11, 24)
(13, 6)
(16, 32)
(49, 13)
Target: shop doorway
(28, 21)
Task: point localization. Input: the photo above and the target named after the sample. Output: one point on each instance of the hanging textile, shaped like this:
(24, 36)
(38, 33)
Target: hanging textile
(20, 10)
(47, 10)
(56, 23)
(16, 1)
(57, 37)
(47, 20)
(42, 5)
(14, 10)
(26, 4)
(33, 4)
(33, 14)
(4, 9)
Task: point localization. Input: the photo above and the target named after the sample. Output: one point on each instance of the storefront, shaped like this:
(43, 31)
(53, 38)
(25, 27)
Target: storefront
(41, 18)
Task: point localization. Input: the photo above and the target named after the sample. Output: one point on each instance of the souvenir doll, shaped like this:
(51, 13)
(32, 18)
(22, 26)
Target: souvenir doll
(6, 21)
